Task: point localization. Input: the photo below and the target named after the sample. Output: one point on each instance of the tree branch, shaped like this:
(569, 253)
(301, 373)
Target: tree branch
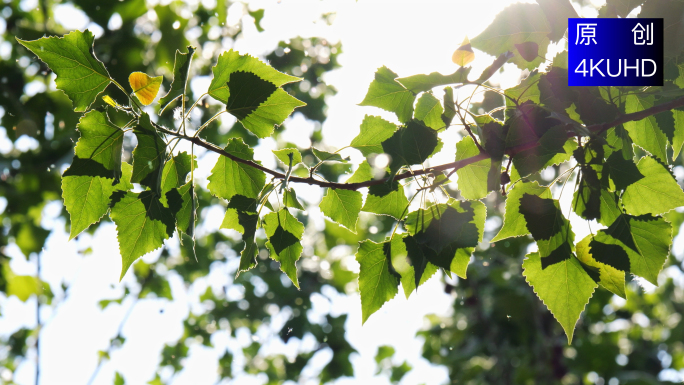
(596, 128)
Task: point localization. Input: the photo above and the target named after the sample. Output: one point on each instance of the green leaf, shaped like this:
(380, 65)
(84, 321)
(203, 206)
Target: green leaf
(149, 155)
(387, 199)
(516, 24)
(378, 282)
(183, 203)
(678, 138)
(251, 91)
(342, 206)
(609, 208)
(142, 223)
(449, 107)
(290, 199)
(410, 144)
(623, 8)
(645, 133)
(174, 174)
(564, 287)
(528, 89)
(557, 13)
(456, 233)
(515, 224)
(229, 177)
(610, 278)
(622, 171)
(587, 198)
(657, 193)
(21, 286)
(181, 70)
(118, 379)
(101, 142)
(284, 234)
(325, 156)
(362, 174)
(231, 61)
(429, 110)
(283, 155)
(241, 216)
(406, 267)
(422, 83)
(388, 94)
(79, 73)
(374, 131)
(87, 197)
(645, 238)
(472, 179)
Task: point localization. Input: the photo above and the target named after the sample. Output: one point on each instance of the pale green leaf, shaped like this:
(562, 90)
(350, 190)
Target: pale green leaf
(429, 110)
(342, 206)
(378, 282)
(290, 199)
(610, 278)
(656, 193)
(283, 155)
(374, 131)
(387, 199)
(142, 224)
(472, 179)
(87, 197)
(517, 23)
(388, 94)
(362, 174)
(229, 177)
(645, 133)
(421, 83)
(564, 287)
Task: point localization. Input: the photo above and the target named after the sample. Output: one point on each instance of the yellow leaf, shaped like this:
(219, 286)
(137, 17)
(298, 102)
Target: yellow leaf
(144, 86)
(463, 54)
(107, 99)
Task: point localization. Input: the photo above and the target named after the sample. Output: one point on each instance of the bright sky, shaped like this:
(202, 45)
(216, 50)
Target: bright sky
(409, 37)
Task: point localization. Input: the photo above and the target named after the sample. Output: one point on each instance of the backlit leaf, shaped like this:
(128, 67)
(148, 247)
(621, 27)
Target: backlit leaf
(284, 234)
(181, 69)
(610, 278)
(472, 179)
(377, 283)
(463, 54)
(564, 287)
(229, 177)
(149, 155)
(429, 110)
(342, 206)
(387, 199)
(656, 193)
(516, 24)
(388, 94)
(421, 83)
(142, 223)
(515, 224)
(374, 131)
(645, 133)
(144, 86)
(79, 73)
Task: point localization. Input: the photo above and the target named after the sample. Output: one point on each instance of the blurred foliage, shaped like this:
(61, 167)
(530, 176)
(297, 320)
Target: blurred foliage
(499, 332)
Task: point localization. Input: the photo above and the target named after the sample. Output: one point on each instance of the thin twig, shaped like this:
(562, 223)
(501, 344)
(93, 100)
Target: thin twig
(597, 129)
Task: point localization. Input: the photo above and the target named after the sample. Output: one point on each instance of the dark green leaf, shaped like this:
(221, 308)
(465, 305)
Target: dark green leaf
(542, 215)
(149, 155)
(284, 234)
(411, 144)
(622, 171)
